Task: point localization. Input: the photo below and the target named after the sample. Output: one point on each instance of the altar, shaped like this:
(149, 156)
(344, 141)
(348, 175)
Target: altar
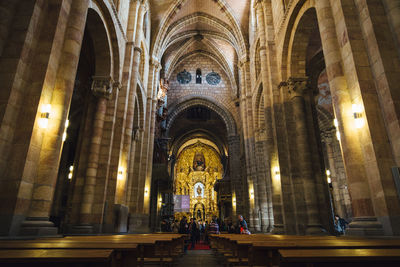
(198, 168)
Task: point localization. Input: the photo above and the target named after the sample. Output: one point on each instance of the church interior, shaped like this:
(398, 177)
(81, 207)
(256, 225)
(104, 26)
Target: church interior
(139, 113)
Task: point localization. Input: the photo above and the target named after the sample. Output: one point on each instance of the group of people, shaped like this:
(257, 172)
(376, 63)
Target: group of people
(200, 230)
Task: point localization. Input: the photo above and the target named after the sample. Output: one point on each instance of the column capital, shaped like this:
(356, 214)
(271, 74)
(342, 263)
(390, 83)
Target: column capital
(102, 86)
(155, 64)
(297, 86)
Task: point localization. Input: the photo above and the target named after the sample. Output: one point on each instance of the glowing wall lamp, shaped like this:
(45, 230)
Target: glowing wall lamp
(71, 172)
(234, 201)
(64, 137)
(358, 118)
(277, 173)
(146, 192)
(328, 175)
(252, 193)
(44, 116)
(120, 174)
(336, 124)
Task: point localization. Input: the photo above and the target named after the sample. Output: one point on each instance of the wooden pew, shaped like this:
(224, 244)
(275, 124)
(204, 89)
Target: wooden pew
(125, 253)
(339, 257)
(58, 257)
(266, 253)
(263, 249)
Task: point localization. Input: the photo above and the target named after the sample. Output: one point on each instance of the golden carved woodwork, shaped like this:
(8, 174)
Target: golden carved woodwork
(198, 163)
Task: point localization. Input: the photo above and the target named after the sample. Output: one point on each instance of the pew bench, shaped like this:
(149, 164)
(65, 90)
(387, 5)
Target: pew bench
(339, 257)
(58, 257)
(125, 253)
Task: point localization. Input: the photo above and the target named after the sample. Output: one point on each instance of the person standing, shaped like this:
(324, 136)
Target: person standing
(213, 228)
(241, 227)
(193, 232)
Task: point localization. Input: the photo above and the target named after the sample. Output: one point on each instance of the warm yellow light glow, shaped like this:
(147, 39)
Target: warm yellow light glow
(120, 175)
(335, 122)
(251, 194)
(337, 135)
(64, 136)
(277, 173)
(44, 117)
(71, 171)
(146, 192)
(328, 172)
(357, 112)
(329, 180)
(46, 108)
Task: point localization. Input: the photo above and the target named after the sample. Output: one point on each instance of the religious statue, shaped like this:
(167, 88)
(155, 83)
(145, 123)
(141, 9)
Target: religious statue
(199, 191)
(199, 162)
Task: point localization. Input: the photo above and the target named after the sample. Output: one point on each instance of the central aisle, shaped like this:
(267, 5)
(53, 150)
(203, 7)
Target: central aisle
(200, 258)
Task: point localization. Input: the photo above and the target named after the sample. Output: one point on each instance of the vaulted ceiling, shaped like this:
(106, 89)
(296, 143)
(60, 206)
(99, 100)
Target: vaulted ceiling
(217, 28)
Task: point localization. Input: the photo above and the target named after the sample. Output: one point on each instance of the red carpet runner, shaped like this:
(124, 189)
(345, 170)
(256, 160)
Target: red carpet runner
(199, 246)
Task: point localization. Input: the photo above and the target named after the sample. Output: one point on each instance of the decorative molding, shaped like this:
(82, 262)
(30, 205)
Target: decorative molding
(102, 86)
(115, 12)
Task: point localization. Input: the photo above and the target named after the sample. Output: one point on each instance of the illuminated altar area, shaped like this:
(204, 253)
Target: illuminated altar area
(197, 169)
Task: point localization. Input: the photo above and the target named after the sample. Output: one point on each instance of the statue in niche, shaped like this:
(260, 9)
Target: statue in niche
(199, 190)
(199, 162)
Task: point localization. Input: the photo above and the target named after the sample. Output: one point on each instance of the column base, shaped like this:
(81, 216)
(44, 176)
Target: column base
(278, 229)
(139, 224)
(365, 226)
(38, 226)
(81, 229)
(316, 229)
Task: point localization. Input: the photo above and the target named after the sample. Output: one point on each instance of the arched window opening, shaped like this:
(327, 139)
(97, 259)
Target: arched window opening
(198, 76)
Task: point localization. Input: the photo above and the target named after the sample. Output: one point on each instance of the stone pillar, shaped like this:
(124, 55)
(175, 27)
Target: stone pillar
(364, 221)
(37, 222)
(102, 89)
(264, 187)
(297, 86)
(336, 194)
(235, 173)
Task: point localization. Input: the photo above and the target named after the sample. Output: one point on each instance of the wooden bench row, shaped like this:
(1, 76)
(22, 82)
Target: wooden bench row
(115, 250)
(275, 250)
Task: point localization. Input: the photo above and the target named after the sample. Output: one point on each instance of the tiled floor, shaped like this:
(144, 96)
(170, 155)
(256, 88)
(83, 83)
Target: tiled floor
(197, 258)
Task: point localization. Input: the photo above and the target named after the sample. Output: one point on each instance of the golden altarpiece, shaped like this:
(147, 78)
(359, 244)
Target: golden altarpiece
(198, 168)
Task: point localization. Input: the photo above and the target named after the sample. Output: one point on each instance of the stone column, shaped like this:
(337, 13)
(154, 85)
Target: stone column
(264, 187)
(364, 221)
(235, 173)
(102, 89)
(297, 87)
(336, 194)
(37, 222)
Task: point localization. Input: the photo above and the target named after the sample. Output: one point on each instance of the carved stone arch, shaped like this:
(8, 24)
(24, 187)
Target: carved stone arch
(196, 18)
(141, 106)
(190, 101)
(101, 26)
(296, 13)
(259, 112)
(173, 9)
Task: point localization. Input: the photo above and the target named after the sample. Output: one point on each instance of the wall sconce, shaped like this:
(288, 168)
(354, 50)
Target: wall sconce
(234, 201)
(277, 173)
(71, 171)
(64, 137)
(251, 194)
(44, 116)
(358, 118)
(120, 175)
(146, 192)
(328, 175)
(336, 124)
